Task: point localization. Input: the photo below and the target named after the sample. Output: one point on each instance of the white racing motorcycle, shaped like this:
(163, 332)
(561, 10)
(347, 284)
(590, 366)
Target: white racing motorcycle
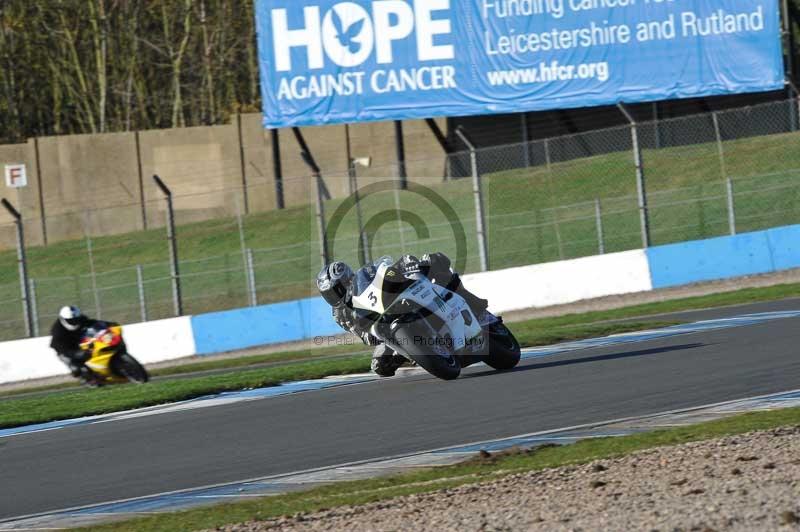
(428, 324)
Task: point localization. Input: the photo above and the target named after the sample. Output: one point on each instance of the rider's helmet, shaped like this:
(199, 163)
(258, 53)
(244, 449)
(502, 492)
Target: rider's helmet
(333, 281)
(71, 317)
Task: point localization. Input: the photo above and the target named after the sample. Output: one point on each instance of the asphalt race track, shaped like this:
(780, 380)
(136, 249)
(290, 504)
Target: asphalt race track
(101, 462)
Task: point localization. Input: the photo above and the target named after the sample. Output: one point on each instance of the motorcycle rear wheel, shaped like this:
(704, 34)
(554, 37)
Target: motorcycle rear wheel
(129, 368)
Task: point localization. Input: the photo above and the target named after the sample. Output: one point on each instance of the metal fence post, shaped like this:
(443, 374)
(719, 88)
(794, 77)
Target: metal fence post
(173, 247)
(23, 267)
(644, 216)
(93, 277)
(400, 146)
(598, 214)
(316, 173)
(400, 235)
(731, 207)
(547, 153)
(656, 128)
(525, 139)
(242, 162)
(794, 102)
(243, 246)
(480, 222)
(277, 168)
(34, 310)
(363, 240)
(140, 286)
(321, 229)
(251, 278)
(553, 210)
(320, 207)
(720, 149)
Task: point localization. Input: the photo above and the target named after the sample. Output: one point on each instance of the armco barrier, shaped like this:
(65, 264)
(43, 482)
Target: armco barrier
(268, 324)
(557, 283)
(725, 257)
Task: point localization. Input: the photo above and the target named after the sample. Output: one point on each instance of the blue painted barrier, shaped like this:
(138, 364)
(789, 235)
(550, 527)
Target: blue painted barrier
(725, 257)
(230, 330)
(785, 245)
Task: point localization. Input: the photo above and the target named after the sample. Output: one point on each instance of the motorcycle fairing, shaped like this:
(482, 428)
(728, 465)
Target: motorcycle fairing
(382, 296)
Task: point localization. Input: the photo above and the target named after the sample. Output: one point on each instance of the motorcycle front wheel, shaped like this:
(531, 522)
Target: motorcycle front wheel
(129, 368)
(425, 353)
(504, 349)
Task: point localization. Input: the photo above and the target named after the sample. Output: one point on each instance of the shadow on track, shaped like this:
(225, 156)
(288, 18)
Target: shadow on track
(586, 360)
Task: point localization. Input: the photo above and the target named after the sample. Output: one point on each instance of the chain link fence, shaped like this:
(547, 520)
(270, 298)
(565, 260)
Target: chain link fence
(489, 208)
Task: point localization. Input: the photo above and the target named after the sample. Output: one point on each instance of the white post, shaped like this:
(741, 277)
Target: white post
(598, 213)
(720, 149)
(251, 278)
(34, 310)
(478, 195)
(243, 246)
(140, 285)
(731, 207)
(399, 219)
(547, 153)
(93, 277)
(641, 191)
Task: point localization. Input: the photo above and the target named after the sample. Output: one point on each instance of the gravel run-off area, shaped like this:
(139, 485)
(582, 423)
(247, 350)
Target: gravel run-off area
(747, 482)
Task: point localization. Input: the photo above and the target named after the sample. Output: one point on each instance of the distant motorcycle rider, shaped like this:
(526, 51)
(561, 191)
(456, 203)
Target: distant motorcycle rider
(335, 284)
(66, 335)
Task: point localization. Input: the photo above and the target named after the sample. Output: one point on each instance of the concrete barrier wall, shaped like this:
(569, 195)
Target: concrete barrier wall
(557, 283)
(538, 285)
(196, 163)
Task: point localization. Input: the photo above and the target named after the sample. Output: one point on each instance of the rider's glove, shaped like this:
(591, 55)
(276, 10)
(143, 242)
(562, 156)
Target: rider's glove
(409, 264)
(437, 262)
(343, 317)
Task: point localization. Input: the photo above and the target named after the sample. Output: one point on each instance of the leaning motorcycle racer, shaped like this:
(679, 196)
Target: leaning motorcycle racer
(67, 333)
(335, 284)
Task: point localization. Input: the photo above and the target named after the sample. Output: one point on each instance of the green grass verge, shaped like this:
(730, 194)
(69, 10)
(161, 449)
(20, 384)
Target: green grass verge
(476, 470)
(536, 214)
(238, 363)
(84, 402)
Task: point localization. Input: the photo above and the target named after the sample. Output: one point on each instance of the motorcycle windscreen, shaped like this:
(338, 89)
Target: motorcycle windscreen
(366, 274)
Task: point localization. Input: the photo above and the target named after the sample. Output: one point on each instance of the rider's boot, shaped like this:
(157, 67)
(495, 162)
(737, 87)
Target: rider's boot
(88, 377)
(385, 362)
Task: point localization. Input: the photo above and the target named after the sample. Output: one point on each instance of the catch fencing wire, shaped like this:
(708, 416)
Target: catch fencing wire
(707, 175)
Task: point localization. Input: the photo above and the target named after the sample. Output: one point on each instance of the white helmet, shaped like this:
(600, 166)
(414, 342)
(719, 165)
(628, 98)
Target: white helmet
(70, 317)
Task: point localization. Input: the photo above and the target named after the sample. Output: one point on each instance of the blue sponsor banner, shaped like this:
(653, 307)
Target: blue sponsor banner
(332, 61)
